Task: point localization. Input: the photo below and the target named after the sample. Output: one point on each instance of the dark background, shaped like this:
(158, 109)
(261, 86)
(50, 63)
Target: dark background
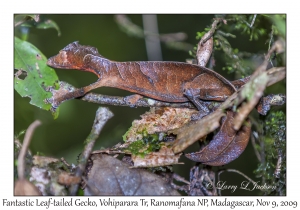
(64, 137)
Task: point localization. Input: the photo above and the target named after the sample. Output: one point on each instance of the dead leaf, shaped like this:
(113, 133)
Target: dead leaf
(24, 187)
(158, 120)
(204, 51)
(110, 176)
(236, 148)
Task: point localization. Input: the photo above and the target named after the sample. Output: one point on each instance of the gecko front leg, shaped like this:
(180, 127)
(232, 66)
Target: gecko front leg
(67, 92)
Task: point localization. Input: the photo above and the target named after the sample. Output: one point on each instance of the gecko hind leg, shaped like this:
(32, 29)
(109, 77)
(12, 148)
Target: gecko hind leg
(203, 110)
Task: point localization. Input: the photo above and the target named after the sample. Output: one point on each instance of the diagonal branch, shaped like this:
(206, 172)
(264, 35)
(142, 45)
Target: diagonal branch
(103, 114)
(26, 142)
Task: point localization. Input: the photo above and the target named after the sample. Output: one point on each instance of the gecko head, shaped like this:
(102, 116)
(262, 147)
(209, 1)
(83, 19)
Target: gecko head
(73, 56)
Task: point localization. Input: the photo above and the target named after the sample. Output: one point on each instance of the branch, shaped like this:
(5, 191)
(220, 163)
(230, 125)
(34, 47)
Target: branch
(252, 22)
(254, 147)
(26, 142)
(205, 45)
(102, 116)
(123, 101)
(211, 32)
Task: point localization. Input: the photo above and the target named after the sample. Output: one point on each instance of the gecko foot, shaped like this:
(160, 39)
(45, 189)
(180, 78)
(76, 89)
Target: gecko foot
(190, 94)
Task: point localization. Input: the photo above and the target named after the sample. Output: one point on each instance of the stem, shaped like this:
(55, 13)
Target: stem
(226, 34)
(26, 142)
(103, 114)
(254, 148)
(252, 22)
(211, 32)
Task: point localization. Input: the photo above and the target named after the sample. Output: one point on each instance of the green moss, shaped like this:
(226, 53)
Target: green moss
(149, 143)
(274, 144)
(136, 147)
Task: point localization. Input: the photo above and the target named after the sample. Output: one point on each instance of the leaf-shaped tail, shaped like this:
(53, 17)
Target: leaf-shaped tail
(226, 145)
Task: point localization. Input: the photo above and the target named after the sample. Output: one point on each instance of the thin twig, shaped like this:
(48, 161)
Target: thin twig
(254, 148)
(20, 22)
(211, 32)
(26, 18)
(270, 44)
(252, 22)
(277, 171)
(271, 39)
(26, 142)
(212, 183)
(226, 34)
(179, 178)
(260, 131)
(184, 188)
(103, 114)
(65, 162)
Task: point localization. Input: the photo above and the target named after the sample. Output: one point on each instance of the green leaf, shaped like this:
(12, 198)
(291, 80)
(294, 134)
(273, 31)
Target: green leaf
(33, 75)
(280, 23)
(48, 24)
